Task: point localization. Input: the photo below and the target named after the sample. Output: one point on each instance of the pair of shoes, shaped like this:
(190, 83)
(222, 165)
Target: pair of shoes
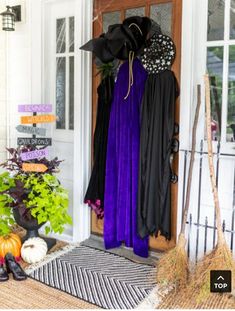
(11, 267)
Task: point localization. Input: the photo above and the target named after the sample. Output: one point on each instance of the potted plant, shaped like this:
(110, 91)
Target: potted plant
(32, 199)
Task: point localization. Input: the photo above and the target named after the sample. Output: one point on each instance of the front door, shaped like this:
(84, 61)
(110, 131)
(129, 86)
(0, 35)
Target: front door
(167, 13)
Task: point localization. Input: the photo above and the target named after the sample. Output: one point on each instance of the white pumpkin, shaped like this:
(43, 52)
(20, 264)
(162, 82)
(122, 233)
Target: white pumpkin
(33, 250)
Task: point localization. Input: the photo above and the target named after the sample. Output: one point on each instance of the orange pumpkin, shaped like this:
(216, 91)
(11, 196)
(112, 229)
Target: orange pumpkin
(10, 244)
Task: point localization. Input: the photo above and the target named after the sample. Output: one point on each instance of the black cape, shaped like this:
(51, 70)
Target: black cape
(95, 192)
(157, 130)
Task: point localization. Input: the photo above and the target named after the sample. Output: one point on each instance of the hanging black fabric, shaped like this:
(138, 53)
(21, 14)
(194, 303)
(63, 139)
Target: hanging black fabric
(157, 129)
(95, 192)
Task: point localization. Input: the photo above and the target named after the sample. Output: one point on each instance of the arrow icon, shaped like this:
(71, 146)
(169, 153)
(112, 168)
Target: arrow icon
(47, 118)
(31, 130)
(220, 278)
(32, 167)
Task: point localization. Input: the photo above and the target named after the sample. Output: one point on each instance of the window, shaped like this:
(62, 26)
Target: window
(221, 67)
(65, 73)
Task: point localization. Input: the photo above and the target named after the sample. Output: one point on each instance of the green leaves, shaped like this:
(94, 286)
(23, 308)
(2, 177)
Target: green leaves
(40, 194)
(6, 218)
(48, 202)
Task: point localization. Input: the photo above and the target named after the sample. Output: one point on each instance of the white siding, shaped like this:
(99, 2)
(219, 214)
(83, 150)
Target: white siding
(3, 93)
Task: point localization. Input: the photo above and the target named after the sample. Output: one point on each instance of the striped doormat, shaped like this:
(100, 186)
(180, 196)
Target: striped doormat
(98, 277)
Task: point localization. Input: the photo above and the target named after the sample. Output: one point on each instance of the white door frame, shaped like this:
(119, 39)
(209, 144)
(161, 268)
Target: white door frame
(83, 103)
(193, 64)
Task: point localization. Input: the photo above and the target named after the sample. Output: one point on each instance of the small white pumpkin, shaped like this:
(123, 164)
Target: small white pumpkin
(33, 250)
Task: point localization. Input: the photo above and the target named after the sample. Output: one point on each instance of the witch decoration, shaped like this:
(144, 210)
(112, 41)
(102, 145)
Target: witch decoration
(130, 181)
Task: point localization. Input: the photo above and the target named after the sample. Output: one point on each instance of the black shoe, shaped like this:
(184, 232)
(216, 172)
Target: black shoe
(14, 268)
(3, 274)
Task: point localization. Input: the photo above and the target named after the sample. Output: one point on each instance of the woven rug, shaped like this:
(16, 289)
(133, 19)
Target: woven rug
(98, 277)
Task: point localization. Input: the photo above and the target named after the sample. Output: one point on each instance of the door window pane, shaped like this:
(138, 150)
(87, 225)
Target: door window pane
(232, 20)
(71, 34)
(60, 35)
(215, 29)
(231, 95)
(135, 12)
(60, 91)
(110, 19)
(162, 14)
(71, 92)
(215, 71)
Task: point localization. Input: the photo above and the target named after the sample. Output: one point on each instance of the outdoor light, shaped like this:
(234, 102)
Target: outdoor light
(10, 16)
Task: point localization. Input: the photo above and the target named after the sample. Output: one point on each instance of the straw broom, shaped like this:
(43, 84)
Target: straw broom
(173, 267)
(220, 258)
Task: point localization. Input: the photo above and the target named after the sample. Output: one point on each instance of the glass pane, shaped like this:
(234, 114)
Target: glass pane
(60, 35)
(71, 34)
(215, 20)
(135, 12)
(110, 19)
(215, 70)
(60, 91)
(231, 95)
(232, 20)
(162, 14)
(71, 92)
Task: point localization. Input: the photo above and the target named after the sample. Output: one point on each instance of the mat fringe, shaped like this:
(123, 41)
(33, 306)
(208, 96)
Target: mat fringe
(50, 257)
(154, 299)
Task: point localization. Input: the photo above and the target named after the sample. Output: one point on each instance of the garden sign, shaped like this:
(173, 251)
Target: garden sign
(34, 130)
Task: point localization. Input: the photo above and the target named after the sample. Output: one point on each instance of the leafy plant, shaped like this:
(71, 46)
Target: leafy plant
(6, 218)
(107, 69)
(35, 195)
(47, 200)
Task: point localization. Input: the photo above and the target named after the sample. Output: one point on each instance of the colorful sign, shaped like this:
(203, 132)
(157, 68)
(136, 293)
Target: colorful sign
(31, 130)
(22, 141)
(35, 108)
(38, 119)
(25, 156)
(32, 167)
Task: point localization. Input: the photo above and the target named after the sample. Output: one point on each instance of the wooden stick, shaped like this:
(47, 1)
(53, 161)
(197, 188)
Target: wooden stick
(192, 158)
(210, 160)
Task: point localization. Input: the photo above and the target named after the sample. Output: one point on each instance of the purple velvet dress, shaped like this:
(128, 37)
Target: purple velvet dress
(122, 163)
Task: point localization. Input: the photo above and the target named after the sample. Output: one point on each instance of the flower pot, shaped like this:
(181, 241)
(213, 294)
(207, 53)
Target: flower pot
(31, 226)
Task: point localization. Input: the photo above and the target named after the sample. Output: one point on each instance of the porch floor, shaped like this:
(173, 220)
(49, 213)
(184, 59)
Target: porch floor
(97, 242)
(31, 294)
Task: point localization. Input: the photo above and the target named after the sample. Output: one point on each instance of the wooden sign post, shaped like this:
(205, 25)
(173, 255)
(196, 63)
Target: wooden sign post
(34, 167)
(38, 119)
(31, 130)
(34, 130)
(35, 108)
(25, 141)
(36, 154)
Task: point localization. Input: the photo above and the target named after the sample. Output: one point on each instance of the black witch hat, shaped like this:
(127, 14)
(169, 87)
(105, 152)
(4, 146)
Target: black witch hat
(120, 40)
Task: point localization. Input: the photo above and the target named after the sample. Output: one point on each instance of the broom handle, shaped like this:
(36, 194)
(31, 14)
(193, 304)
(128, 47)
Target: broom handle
(210, 160)
(190, 173)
